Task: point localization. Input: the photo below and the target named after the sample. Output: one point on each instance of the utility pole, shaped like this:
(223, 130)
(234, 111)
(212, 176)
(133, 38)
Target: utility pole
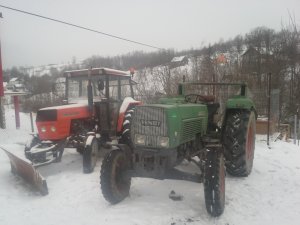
(2, 114)
(1, 72)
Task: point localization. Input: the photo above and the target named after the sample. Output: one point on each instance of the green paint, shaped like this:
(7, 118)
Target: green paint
(184, 120)
(239, 102)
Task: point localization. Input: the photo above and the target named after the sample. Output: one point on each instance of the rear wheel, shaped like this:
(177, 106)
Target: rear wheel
(214, 182)
(239, 142)
(90, 154)
(115, 183)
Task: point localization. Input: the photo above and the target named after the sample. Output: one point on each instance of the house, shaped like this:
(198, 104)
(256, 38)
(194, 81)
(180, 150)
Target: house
(255, 60)
(178, 61)
(16, 85)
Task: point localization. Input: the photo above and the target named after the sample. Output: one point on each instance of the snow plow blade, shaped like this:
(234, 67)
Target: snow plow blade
(24, 168)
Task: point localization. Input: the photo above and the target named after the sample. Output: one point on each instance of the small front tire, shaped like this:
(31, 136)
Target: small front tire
(214, 182)
(34, 140)
(90, 154)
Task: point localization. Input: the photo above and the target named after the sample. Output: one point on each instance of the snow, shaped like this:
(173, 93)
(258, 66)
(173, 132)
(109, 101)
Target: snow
(66, 106)
(178, 59)
(14, 79)
(270, 195)
(126, 103)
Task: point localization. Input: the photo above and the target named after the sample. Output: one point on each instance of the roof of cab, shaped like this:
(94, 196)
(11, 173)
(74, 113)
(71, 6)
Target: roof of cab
(95, 72)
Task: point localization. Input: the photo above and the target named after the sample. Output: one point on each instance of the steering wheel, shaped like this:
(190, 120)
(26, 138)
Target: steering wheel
(192, 98)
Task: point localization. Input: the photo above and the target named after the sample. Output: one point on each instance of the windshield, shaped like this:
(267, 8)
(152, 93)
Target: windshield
(77, 89)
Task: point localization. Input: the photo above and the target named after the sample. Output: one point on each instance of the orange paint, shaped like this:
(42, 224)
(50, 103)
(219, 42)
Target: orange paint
(63, 123)
(122, 116)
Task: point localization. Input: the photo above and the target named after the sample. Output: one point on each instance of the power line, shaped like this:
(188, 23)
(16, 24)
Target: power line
(80, 27)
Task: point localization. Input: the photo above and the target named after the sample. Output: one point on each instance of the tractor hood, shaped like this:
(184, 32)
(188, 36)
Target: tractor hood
(72, 111)
(177, 123)
(53, 123)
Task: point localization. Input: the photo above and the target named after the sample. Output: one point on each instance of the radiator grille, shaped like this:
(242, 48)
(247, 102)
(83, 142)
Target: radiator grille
(190, 128)
(149, 121)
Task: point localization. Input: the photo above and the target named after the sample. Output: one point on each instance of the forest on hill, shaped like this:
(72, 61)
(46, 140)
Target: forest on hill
(248, 58)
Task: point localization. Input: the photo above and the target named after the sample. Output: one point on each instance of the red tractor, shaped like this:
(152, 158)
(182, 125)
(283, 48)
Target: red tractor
(93, 115)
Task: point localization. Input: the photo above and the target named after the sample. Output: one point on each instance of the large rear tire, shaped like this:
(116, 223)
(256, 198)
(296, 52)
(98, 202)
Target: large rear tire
(114, 182)
(239, 142)
(90, 154)
(214, 182)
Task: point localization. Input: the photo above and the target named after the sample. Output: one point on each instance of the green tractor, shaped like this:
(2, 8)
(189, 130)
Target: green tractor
(193, 126)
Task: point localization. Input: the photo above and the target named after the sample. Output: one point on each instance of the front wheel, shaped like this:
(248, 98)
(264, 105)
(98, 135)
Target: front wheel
(90, 154)
(114, 182)
(214, 182)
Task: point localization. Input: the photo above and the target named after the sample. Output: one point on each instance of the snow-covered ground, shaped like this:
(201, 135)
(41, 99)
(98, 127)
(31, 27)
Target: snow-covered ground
(270, 195)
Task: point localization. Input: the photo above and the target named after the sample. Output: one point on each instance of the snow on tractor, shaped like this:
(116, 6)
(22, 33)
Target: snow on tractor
(96, 103)
(187, 127)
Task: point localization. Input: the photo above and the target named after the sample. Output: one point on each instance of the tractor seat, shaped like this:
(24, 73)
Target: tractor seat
(206, 98)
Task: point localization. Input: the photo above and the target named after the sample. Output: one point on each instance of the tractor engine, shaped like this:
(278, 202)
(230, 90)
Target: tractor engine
(160, 141)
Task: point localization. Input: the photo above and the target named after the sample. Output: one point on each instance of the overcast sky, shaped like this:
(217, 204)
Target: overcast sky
(178, 24)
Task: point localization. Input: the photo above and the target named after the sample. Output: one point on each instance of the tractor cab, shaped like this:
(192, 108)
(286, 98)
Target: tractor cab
(98, 84)
(107, 92)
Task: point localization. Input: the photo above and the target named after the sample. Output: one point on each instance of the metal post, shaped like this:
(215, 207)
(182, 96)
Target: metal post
(17, 111)
(269, 108)
(31, 122)
(295, 129)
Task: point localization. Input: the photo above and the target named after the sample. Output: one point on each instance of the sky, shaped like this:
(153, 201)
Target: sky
(30, 41)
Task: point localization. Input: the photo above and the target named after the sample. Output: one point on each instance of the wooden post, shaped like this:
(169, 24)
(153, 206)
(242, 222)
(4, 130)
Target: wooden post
(269, 108)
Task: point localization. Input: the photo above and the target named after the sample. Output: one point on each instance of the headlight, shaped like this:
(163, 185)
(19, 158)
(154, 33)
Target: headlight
(140, 139)
(163, 142)
(53, 129)
(43, 129)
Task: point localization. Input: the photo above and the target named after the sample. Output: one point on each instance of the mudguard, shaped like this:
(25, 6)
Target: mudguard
(240, 102)
(24, 168)
(128, 101)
